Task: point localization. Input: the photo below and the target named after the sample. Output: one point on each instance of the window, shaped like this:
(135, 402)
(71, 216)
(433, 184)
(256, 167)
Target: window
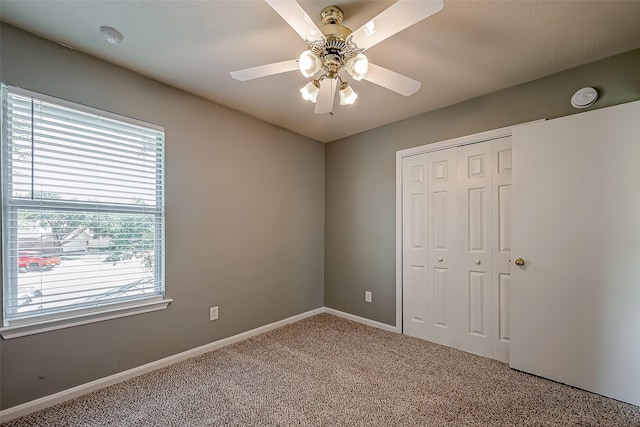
(82, 214)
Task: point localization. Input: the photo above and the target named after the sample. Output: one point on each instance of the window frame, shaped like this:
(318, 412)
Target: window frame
(27, 325)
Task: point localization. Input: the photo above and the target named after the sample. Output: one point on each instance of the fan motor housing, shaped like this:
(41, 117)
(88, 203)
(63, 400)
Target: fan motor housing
(335, 49)
(332, 19)
(335, 31)
(331, 15)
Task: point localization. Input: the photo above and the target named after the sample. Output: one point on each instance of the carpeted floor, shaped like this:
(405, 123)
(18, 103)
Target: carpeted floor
(327, 371)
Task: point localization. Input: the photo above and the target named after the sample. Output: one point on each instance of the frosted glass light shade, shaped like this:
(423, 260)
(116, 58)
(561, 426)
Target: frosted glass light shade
(310, 91)
(347, 95)
(309, 64)
(357, 67)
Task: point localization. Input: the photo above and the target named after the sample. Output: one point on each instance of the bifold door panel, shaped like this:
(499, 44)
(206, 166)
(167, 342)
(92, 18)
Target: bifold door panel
(476, 256)
(414, 244)
(501, 189)
(441, 282)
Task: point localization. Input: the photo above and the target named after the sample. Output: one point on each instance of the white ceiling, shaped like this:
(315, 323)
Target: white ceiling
(468, 49)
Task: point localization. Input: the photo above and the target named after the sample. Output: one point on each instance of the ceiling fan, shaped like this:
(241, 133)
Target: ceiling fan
(334, 48)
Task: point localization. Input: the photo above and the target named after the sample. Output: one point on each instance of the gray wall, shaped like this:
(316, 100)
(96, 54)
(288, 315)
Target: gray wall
(360, 173)
(244, 223)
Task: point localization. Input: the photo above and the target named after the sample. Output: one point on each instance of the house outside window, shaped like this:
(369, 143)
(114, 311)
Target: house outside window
(82, 214)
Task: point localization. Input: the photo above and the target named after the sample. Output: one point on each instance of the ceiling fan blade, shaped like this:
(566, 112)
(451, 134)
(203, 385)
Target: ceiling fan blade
(265, 70)
(391, 80)
(394, 19)
(295, 16)
(324, 103)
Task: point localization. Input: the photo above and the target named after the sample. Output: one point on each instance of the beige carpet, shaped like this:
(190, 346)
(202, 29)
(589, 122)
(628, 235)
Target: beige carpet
(326, 371)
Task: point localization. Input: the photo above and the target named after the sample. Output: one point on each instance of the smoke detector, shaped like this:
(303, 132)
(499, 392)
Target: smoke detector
(111, 35)
(584, 98)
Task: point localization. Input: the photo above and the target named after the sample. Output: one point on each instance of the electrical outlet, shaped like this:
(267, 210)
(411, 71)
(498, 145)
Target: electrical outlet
(213, 313)
(367, 296)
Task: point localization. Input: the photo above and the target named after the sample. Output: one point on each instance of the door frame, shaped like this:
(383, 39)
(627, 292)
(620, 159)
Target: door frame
(423, 149)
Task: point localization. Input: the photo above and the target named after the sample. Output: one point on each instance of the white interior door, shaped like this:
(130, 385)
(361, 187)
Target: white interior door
(443, 246)
(575, 315)
(501, 205)
(414, 246)
(476, 257)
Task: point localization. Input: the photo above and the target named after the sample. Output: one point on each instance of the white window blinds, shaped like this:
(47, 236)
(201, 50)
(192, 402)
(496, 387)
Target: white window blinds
(83, 208)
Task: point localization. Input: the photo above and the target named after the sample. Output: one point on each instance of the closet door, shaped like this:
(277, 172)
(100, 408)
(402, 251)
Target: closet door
(475, 224)
(443, 247)
(501, 183)
(414, 246)
(456, 225)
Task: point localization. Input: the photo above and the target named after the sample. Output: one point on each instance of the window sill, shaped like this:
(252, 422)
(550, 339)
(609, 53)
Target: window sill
(32, 328)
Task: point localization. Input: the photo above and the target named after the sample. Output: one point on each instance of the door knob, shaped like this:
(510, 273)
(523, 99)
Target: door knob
(519, 262)
(440, 259)
(477, 261)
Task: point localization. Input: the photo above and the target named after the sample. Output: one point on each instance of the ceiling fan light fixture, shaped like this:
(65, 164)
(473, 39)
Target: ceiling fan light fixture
(357, 67)
(310, 91)
(309, 64)
(347, 95)
(334, 50)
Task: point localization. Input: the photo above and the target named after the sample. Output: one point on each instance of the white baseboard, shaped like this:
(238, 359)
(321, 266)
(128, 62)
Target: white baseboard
(71, 393)
(362, 320)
